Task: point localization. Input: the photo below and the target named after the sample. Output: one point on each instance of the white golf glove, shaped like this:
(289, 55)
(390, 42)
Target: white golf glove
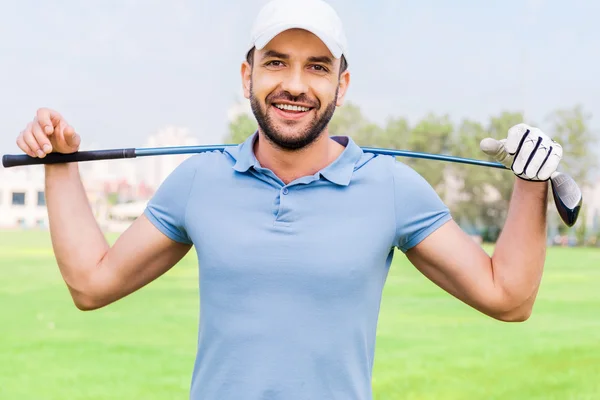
(527, 151)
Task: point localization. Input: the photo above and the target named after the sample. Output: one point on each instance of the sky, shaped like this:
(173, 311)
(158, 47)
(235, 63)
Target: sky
(120, 70)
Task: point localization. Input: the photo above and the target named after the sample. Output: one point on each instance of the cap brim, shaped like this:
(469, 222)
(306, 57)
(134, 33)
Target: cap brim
(268, 35)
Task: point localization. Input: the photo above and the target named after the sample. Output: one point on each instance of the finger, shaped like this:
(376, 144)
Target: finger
(71, 137)
(41, 139)
(515, 137)
(525, 154)
(66, 135)
(24, 146)
(59, 136)
(495, 149)
(29, 138)
(552, 162)
(48, 119)
(491, 147)
(539, 158)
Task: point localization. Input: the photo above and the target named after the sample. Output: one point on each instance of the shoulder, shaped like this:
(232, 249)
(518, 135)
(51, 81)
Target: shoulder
(197, 166)
(212, 157)
(405, 182)
(389, 168)
(206, 161)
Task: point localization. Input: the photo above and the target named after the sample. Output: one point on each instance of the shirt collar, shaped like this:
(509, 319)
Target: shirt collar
(243, 154)
(340, 171)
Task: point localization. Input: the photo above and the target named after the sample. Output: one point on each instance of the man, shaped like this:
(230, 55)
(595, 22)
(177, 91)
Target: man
(295, 230)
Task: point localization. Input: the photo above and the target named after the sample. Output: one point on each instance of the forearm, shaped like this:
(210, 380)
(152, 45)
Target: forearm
(78, 242)
(95, 272)
(518, 260)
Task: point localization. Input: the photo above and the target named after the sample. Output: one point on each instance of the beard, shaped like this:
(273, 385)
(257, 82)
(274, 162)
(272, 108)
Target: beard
(301, 138)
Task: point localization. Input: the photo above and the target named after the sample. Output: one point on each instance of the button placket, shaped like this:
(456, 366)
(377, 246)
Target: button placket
(283, 212)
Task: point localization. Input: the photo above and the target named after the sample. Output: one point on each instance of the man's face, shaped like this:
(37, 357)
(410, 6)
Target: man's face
(294, 86)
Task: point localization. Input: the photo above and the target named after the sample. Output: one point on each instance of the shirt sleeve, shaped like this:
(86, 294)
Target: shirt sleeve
(167, 207)
(419, 209)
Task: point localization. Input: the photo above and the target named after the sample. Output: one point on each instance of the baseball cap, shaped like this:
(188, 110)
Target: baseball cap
(315, 16)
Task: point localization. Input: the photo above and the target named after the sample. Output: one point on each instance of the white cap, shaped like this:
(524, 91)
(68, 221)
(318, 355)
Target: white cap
(315, 16)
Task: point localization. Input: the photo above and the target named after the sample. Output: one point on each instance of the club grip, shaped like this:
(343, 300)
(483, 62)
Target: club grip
(12, 160)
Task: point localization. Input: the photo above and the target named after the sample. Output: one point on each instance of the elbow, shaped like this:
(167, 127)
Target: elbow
(518, 314)
(87, 304)
(514, 307)
(86, 300)
(88, 293)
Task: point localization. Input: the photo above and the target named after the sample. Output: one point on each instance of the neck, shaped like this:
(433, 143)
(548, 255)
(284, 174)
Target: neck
(290, 165)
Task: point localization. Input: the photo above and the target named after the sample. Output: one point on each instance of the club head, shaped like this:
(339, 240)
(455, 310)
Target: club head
(567, 196)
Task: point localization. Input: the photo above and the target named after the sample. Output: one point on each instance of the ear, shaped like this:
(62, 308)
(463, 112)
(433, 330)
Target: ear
(344, 83)
(246, 72)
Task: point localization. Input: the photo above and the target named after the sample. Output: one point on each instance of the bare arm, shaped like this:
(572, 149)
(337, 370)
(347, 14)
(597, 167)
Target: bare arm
(95, 273)
(505, 285)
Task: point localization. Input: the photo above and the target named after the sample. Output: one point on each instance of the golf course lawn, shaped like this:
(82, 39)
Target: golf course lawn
(429, 345)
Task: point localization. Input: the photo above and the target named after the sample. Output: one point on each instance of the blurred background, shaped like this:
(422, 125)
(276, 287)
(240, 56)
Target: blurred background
(428, 76)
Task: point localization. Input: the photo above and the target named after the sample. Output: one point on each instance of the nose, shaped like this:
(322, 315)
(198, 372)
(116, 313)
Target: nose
(295, 82)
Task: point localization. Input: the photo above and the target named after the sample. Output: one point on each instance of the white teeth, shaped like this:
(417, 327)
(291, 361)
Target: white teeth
(290, 107)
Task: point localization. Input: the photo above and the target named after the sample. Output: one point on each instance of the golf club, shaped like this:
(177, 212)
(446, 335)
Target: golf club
(567, 194)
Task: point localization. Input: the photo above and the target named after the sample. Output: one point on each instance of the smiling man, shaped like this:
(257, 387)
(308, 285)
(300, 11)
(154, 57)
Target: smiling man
(293, 121)
(295, 82)
(294, 229)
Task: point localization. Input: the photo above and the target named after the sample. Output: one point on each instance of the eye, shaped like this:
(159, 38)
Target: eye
(319, 68)
(274, 63)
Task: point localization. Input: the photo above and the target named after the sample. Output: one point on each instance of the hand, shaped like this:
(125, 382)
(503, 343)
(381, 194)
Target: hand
(527, 151)
(48, 132)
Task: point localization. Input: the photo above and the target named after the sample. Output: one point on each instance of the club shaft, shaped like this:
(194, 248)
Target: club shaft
(174, 150)
(142, 152)
(568, 215)
(113, 154)
(428, 156)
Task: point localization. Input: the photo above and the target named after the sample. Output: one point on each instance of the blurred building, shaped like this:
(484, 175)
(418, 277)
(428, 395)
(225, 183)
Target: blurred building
(153, 170)
(117, 190)
(23, 198)
(22, 201)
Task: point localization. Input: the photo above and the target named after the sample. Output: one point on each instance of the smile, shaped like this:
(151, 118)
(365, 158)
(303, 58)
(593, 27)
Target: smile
(289, 107)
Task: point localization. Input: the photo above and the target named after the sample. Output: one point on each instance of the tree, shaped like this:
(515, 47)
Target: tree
(485, 191)
(432, 134)
(241, 128)
(349, 120)
(478, 196)
(396, 134)
(469, 188)
(346, 120)
(571, 128)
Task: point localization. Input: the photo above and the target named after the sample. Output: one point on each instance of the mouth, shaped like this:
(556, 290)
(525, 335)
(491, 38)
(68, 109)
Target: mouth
(291, 111)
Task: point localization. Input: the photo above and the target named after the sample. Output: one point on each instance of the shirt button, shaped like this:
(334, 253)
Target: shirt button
(285, 191)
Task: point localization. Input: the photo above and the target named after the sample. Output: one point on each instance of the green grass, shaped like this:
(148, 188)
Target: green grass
(430, 346)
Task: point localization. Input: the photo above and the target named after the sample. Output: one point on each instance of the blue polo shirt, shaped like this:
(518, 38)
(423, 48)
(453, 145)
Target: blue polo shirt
(291, 276)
